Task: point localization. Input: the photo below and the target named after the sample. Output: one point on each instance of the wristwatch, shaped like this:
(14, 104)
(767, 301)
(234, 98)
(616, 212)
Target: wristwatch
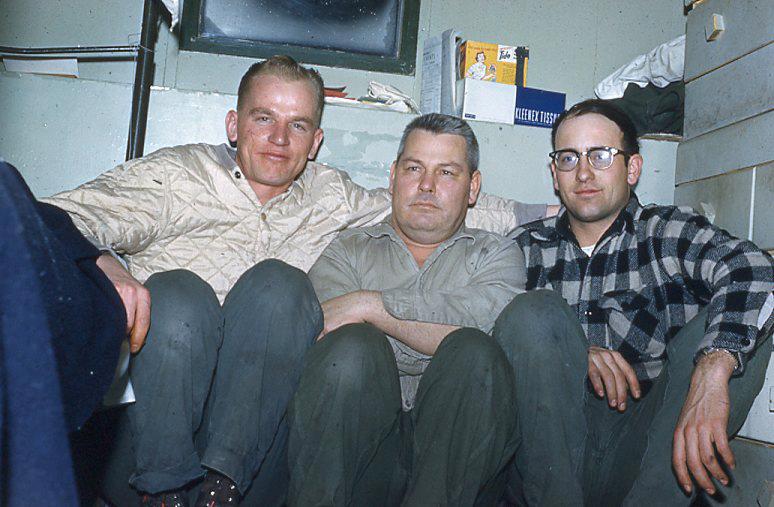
(733, 353)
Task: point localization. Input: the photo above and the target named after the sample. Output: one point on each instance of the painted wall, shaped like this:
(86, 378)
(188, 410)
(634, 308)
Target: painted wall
(65, 131)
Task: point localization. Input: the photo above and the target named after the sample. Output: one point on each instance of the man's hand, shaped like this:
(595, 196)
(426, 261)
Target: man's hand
(611, 375)
(701, 428)
(351, 308)
(134, 295)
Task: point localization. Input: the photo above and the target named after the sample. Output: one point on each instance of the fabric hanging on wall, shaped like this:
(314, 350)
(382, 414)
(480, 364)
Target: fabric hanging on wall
(655, 110)
(173, 7)
(661, 66)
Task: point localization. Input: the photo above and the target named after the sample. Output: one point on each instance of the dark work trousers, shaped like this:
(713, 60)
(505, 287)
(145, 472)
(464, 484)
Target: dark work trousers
(351, 444)
(573, 449)
(242, 360)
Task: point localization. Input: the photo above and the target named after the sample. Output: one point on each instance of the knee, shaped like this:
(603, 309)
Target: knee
(527, 322)
(276, 283)
(474, 350)
(275, 274)
(533, 306)
(349, 357)
(183, 306)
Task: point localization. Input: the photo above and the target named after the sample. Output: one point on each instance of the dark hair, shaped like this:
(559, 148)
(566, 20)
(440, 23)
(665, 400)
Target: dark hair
(436, 123)
(286, 68)
(610, 111)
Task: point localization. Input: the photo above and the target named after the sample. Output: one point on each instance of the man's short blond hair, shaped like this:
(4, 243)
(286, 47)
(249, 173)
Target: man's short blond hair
(287, 68)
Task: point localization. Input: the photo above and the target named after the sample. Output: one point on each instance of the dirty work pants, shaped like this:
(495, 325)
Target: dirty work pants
(573, 449)
(351, 444)
(242, 359)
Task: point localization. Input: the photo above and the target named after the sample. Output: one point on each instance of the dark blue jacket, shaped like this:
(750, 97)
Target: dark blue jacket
(61, 325)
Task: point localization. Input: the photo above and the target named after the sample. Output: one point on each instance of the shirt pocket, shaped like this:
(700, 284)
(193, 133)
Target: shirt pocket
(636, 329)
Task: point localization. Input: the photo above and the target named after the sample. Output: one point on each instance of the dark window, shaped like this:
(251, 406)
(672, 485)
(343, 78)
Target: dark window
(376, 35)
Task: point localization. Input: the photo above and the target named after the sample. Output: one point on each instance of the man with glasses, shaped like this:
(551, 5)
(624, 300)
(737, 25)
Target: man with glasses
(650, 345)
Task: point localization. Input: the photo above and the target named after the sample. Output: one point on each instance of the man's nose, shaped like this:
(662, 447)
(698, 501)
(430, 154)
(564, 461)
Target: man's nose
(427, 182)
(584, 171)
(279, 134)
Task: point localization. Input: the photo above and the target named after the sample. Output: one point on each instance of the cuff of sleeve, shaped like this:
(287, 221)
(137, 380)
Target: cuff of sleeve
(400, 304)
(113, 254)
(736, 338)
(736, 354)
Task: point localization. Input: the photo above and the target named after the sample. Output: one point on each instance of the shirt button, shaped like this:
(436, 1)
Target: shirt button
(745, 341)
(263, 216)
(588, 313)
(237, 175)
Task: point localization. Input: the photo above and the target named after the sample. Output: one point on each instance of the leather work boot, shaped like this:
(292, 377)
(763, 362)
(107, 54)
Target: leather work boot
(217, 490)
(176, 498)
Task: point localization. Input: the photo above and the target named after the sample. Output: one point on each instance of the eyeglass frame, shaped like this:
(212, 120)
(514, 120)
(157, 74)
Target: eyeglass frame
(613, 151)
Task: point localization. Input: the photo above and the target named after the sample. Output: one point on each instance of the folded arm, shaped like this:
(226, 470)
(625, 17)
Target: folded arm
(367, 306)
(419, 318)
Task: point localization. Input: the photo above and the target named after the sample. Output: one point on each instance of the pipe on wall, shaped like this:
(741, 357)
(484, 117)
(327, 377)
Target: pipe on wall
(143, 78)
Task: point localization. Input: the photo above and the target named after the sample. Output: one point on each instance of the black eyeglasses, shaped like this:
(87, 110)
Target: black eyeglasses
(599, 157)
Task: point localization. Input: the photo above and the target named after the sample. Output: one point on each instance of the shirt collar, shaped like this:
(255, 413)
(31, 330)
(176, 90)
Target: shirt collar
(624, 222)
(385, 228)
(227, 157)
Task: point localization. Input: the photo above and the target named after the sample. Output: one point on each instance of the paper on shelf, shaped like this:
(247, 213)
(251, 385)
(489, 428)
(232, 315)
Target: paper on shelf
(399, 107)
(439, 69)
(54, 66)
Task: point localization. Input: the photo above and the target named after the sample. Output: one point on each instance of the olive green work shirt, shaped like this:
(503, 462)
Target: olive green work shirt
(465, 282)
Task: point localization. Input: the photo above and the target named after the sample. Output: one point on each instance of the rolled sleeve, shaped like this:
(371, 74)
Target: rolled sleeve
(401, 304)
(333, 274)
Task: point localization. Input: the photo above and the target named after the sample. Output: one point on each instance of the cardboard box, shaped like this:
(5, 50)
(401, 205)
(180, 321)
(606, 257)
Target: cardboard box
(500, 103)
(493, 62)
(485, 101)
(538, 108)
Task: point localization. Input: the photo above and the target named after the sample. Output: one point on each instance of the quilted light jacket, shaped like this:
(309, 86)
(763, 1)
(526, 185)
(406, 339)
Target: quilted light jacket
(191, 207)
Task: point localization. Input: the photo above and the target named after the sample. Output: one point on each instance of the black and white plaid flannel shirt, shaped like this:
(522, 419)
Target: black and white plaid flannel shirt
(650, 273)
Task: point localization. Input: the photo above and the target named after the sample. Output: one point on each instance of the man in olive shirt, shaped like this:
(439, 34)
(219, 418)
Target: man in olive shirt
(407, 305)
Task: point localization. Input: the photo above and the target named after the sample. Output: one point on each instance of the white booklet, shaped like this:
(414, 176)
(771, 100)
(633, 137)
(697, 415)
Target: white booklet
(439, 73)
(120, 391)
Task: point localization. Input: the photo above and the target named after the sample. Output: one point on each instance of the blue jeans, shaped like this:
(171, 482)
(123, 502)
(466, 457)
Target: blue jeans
(574, 450)
(212, 382)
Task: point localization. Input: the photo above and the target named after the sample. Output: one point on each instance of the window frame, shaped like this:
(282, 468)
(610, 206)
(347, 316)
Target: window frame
(403, 63)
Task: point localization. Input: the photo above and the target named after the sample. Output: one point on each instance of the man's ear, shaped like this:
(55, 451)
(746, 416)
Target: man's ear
(475, 187)
(634, 169)
(318, 138)
(231, 125)
(392, 175)
(552, 166)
